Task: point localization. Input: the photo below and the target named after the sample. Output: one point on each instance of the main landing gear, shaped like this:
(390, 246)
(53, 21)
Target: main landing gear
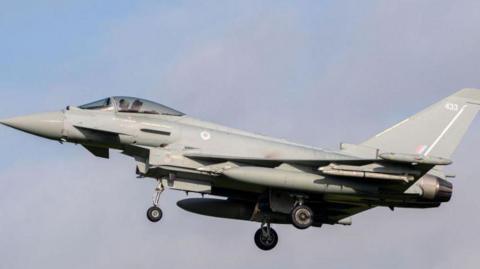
(154, 213)
(302, 217)
(266, 238)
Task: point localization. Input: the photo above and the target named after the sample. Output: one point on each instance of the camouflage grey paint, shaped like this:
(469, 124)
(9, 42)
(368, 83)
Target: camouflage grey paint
(266, 175)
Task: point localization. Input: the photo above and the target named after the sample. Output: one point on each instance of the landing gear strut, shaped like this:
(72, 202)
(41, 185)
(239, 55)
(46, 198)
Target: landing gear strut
(154, 213)
(266, 238)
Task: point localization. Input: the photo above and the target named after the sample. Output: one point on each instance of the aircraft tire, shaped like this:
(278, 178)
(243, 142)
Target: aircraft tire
(266, 242)
(154, 214)
(302, 217)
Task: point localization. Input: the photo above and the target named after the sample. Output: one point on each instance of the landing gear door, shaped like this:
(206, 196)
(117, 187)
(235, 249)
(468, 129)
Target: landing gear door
(281, 202)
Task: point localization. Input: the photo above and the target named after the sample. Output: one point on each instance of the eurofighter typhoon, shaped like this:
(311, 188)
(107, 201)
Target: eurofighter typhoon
(266, 180)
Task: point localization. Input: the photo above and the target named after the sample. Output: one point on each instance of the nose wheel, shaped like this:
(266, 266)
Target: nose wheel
(154, 213)
(266, 238)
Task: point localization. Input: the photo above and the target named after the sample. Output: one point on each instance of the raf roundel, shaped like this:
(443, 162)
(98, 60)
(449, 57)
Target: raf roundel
(205, 135)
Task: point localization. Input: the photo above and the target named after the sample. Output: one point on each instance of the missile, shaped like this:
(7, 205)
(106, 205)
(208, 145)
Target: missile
(299, 181)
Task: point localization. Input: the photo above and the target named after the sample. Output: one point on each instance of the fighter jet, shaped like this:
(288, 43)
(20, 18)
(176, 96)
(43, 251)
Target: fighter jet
(250, 177)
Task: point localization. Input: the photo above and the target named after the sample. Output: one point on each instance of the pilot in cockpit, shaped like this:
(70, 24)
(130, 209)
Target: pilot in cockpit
(136, 106)
(131, 105)
(123, 105)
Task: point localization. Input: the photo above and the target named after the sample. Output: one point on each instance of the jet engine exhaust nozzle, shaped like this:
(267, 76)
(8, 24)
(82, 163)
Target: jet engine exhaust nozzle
(436, 189)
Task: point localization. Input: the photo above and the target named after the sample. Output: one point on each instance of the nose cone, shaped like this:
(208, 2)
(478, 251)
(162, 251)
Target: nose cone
(48, 125)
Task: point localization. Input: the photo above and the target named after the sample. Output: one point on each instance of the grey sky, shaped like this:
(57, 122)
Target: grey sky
(315, 72)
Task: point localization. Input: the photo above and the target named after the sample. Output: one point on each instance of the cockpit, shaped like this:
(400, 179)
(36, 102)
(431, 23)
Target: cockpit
(123, 104)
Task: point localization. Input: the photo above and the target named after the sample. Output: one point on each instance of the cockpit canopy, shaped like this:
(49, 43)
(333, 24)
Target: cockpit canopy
(125, 104)
(104, 104)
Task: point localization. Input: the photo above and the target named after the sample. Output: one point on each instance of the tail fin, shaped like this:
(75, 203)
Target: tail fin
(436, 131)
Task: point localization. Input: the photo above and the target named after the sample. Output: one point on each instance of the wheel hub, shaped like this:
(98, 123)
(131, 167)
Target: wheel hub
(266, 238)
(155, 214)
(303, 216)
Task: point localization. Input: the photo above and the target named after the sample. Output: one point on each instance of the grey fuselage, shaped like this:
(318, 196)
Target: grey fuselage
(175, 137)
(258, 175)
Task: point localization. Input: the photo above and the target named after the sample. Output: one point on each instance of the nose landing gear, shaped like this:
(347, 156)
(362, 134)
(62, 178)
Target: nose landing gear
(154, 213)
(266, 238)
